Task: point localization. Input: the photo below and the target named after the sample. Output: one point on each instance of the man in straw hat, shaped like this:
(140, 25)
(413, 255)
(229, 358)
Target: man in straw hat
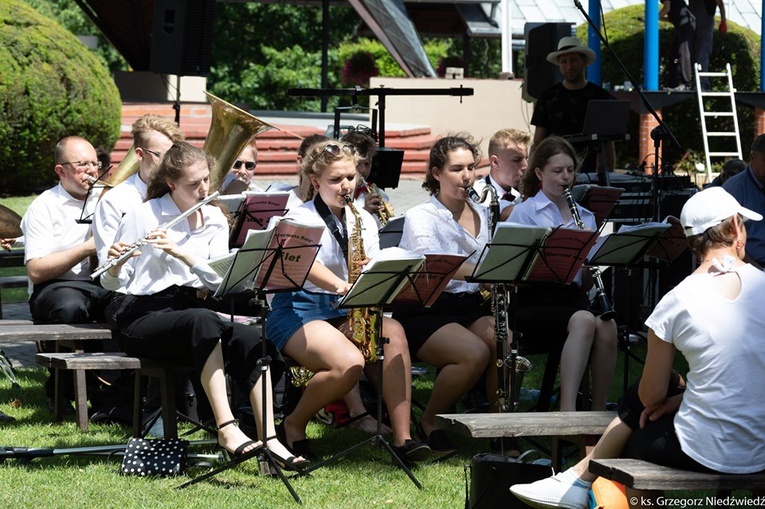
(561, 108)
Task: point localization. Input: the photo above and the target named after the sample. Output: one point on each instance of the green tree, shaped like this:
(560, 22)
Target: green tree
(51, 86)
(69, 15)
(739, 47)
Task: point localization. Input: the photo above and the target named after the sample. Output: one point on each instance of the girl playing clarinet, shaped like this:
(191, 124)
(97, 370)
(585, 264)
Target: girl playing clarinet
(552, 311)
(456, 334)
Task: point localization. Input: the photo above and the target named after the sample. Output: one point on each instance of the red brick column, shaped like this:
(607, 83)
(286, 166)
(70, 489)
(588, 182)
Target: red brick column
(759, 124)
(647, 123)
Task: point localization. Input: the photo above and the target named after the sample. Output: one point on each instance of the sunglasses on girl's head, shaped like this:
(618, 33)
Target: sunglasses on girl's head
(335, 150)
(248, 165)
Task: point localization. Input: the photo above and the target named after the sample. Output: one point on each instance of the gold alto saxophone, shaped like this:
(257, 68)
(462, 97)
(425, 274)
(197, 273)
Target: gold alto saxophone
(386, 210)
(363, 321)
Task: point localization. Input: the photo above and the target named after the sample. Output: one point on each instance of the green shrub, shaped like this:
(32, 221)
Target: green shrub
(739, 47)
(51, 86)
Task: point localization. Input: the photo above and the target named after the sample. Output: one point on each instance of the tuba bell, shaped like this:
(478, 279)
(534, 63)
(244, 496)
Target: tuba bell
(127, 167)
(230, 131)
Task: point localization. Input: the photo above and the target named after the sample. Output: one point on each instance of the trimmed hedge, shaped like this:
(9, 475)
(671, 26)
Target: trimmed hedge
(51, 86)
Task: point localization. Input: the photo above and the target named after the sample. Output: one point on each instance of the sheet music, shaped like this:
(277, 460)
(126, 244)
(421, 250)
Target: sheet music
(427, 284)
(600, 200)
(562, 255)
(255, 213)
(299, 246)
(671, 244)
(508, 252)
(627, 245)
(382, 278)
(247, 268)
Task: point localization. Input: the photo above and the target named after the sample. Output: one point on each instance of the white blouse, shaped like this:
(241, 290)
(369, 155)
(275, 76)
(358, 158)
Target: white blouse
(155, 270)
(330, 253)
(431, 228)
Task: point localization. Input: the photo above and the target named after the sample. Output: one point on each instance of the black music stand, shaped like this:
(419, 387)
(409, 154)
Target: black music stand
(628, 247)
(528, 254)
(281, 264)
(377, 287)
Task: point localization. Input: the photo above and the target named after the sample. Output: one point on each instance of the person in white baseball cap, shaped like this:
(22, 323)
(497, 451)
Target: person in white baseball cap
(714, 319)
(709, 208)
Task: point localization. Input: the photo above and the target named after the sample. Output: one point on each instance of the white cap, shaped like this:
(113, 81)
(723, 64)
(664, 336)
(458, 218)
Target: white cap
(709, 208)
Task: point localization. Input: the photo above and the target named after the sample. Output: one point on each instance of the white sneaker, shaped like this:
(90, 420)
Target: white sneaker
(555, 491)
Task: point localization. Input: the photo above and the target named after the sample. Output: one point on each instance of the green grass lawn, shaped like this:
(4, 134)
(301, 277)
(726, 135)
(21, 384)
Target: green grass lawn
(365, 479)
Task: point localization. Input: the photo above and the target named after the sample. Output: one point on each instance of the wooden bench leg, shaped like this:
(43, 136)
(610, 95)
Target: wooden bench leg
(169, 408)
(81, 399)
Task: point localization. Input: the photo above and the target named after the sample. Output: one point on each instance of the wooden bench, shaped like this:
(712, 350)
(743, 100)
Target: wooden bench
(642, 475)
(80, 362)
(574, 427)
(11, 282)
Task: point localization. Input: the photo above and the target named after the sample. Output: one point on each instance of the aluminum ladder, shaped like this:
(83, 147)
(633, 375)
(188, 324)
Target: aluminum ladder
(711, 121)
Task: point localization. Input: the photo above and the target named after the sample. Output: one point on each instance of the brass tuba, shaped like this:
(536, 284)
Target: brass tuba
(230, 131)
(127, 167)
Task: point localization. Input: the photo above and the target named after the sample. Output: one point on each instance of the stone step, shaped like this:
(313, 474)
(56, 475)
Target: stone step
(277, 148)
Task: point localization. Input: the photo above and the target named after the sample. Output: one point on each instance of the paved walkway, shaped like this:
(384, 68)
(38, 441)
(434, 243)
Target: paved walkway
(22, 353)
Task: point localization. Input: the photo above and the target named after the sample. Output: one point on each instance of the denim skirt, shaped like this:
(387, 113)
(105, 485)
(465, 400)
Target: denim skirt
(292, 310)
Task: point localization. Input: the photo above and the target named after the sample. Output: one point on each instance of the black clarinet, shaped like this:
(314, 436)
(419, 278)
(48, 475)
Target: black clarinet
(608, 312)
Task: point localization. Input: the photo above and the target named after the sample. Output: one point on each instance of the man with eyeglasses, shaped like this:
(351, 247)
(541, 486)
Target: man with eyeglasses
(59, 244)
(152, 136)
(239, 179)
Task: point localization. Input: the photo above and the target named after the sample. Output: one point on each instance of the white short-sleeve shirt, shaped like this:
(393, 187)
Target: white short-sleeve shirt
(721, 420)
(330, 253)
(50, 225)
(111, 207)
(431, 228)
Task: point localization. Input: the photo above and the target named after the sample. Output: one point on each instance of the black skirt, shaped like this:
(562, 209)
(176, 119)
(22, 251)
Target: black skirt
(175, 325)
(420, 323)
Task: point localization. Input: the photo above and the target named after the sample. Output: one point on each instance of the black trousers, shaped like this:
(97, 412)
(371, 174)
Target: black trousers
(657, 442)
(61, 301)
(175, 325)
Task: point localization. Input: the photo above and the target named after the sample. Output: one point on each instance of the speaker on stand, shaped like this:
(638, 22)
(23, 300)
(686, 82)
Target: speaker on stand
(541, 39)
(182, 34)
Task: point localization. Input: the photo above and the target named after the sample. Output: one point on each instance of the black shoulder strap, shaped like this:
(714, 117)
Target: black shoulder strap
(329, 220)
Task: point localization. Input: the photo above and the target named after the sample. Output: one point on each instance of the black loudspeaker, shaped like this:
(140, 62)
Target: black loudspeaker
(541, 39)
(386, 167)
(181, 38)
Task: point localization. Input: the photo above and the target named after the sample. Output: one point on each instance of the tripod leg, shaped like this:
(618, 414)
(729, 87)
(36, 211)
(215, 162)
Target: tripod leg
(400, 462)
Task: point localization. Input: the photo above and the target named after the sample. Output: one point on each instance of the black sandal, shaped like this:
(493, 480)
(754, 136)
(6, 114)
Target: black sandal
(413, 451)
(291, 463)
(239, 452)
(298, 447)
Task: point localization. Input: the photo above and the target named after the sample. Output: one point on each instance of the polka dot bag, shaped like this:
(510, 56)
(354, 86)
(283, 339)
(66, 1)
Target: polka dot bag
(158, 457)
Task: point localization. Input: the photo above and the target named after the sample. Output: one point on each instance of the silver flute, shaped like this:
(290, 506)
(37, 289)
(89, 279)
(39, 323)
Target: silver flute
(111, 262)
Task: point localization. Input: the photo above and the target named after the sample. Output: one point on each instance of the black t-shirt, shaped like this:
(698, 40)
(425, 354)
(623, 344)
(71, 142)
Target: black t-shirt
(561, 112)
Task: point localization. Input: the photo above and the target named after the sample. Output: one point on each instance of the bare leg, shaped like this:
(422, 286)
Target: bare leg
(462, 357)
(356, 408)
(574, 357)
(604, 350)
(610, 445)
(214, 383)
(484, 329)
(336, 364)
(256, 401)
(397, 380)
